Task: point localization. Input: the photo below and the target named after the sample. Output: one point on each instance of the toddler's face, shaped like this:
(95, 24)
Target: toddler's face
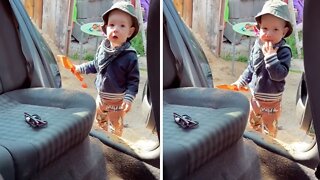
(119, 28)
(272, 29)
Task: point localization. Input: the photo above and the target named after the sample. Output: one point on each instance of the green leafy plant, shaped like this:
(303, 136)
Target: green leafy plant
(227, 57)
(75, 56)
(137, 44)
(291, 41)
(242, 58)
(238, 57)
(88, 57)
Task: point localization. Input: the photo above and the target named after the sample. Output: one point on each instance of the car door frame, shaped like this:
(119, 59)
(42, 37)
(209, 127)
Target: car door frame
(312, 63)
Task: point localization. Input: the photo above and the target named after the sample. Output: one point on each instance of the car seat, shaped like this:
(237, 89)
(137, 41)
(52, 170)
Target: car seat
(25, 151)
(213, 150)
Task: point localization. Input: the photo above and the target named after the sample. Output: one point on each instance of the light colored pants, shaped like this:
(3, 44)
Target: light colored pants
(109, 115)
(264, 116)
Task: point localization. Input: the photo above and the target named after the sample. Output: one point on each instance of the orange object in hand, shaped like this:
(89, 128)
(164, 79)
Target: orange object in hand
(66, 62)
(68, 65)
(232, 87)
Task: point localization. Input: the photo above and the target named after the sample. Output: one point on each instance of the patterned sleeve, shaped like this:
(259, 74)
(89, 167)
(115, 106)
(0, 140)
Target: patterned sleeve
(133, 79)
(278, 64)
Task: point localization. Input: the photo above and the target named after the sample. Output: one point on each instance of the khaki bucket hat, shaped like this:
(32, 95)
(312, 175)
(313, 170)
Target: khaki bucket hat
(126, 7)
(277, 8)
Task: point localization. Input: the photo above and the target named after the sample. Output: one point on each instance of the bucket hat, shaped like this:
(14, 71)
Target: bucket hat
(276, 8)
(126, 7)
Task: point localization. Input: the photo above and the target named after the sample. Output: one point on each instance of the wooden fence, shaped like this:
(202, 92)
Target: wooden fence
(204, 17)
(54, 18)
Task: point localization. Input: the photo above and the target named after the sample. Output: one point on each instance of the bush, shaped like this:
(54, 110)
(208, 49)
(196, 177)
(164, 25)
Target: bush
(238, 57)
(137, 44)
(88, 57)
(242, 58)
(75, 56)
(291, 41)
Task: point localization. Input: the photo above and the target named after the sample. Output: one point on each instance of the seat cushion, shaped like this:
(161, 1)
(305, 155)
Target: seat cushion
(6, 164)
(222, 117)
(69, 115)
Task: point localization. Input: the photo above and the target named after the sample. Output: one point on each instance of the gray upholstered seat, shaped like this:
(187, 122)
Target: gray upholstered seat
(69, 115)
(25, 151)
(6, 165)
(222, 117)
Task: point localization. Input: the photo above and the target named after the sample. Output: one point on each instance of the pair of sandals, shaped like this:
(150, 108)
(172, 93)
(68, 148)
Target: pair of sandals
(35, 120)
(185, 121)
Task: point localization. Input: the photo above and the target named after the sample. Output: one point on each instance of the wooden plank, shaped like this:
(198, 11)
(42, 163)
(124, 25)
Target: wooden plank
(206, 21)
(187, 12)
(49, 18)
(179, 6)
(221, 27)
(29, 5)
(61, 29)
(38, 9)
(69, 27)
(200, 19)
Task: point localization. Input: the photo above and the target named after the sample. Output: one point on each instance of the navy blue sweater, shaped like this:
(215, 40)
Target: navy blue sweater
(117, 71)
(266, 75)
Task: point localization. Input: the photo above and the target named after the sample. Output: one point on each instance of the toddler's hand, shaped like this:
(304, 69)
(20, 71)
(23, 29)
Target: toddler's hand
(238, 84)
(126, 106)
(75, 69)
(268, 49)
